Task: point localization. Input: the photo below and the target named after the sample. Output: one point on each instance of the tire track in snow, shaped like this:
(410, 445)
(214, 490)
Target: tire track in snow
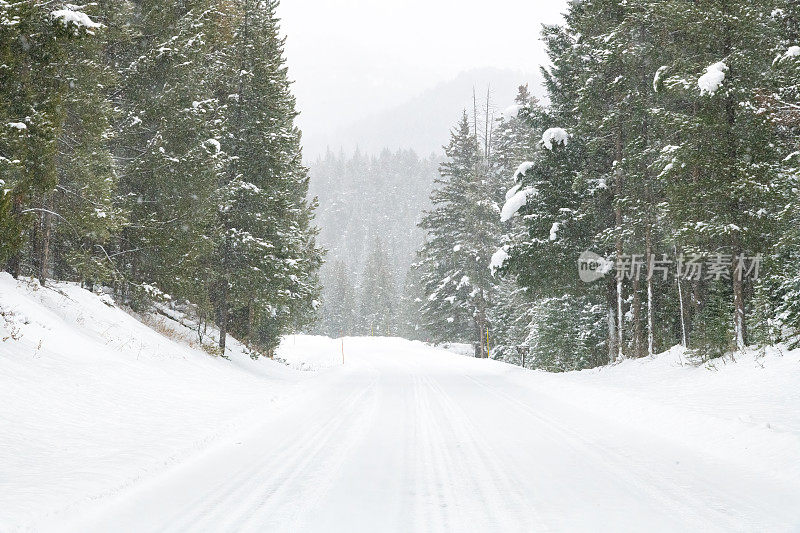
(264, 517)
(669, 495)
(435, 467)
(240, 491)
(496, 484)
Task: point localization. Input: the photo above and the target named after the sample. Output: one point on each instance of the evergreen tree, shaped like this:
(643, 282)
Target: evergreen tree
(461, 229)
(724, 163)
(409, 324)
(43, 72)
(338, 314)
(377, 295)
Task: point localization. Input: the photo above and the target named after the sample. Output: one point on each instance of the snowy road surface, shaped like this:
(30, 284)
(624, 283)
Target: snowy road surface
(408, 438)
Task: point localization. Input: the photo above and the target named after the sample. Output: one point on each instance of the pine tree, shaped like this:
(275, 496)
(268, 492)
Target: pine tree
(778, 293)
(724, 162)
(85, 199)
(461, 230)
(55, 134)
(377, 295)
(267, 258)
(515, 143)
(408, 320)
(338, 313)
(169, 148)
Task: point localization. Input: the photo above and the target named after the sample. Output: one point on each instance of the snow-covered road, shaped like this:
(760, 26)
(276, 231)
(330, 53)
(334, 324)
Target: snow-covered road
(404, 437)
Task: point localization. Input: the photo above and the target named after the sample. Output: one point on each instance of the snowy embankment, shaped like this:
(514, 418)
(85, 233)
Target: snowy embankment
(107, 421)
(92, 400)
(745, 411)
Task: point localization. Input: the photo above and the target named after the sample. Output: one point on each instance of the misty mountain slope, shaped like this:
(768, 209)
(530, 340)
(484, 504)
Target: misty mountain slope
(423, 123)
(363, 197)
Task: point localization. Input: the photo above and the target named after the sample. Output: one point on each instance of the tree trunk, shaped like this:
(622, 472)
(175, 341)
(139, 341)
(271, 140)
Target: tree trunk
(250, 321)
(620, 322)
(649, 252)
(44, 246)
(739, 323)
(15, 261)
(222, 309)
(684, 338)
(612, 322)
(695, 306)
(618, 190)
(638, 334)
(223, 316)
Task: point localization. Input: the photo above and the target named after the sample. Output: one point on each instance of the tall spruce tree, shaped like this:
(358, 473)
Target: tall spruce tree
(377, 294)
(723, 163)
(461, 230)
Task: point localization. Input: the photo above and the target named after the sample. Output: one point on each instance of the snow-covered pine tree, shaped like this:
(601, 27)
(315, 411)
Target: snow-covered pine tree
(377, 294)
(213, 175)
(85, 199)
(462, 229)
(723, 160)
(409, 324)
(173, 111)
(55, 127)
(516, 140)
(267, 259)
(338, 311)
(778, 293)
(15, 25)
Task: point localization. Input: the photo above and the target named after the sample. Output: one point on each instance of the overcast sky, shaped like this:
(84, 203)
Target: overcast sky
(351, 58)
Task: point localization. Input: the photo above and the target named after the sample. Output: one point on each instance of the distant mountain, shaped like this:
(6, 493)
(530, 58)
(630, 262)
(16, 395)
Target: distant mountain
(424, 122)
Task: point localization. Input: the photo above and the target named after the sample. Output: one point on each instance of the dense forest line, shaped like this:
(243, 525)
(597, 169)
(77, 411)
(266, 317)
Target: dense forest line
(669, 148)
(369, 208)
(150, 146)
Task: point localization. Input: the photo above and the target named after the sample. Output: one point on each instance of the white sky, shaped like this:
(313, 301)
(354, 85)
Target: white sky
(351, 58)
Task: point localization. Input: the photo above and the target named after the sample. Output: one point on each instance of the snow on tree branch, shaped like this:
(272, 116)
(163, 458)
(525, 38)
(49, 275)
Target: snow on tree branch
(554, 136)
(515, 203)
(69, 16)
(711, 81)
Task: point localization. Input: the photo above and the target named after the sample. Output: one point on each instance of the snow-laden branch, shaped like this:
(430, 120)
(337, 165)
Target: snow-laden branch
(555, 136)
(711, 81)
(516, 202)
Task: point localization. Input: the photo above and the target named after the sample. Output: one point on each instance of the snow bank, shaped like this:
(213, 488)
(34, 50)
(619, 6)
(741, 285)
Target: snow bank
(793, 51)
(458, 348)
(554, 136)
(305, 352)
(94, 400)
(745, 411)
(711, 81)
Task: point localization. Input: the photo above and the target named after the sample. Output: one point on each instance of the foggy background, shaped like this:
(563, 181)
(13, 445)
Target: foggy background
(396, 73)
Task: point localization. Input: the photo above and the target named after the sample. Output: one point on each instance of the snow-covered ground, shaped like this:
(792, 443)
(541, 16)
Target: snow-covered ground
(108, 425)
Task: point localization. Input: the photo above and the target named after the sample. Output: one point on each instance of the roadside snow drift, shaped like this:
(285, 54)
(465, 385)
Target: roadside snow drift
(92, 400)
